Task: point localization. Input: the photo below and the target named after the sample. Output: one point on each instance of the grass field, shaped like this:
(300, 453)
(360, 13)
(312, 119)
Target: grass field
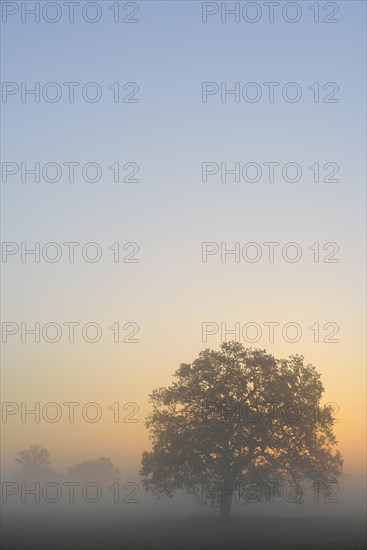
(191, 534)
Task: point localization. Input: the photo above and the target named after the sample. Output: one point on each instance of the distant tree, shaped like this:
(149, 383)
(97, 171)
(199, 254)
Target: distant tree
(34, 463)
(101, 470)
(199, 443)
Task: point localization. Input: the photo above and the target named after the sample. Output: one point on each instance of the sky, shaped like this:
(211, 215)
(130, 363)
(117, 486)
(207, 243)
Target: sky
(170, 211)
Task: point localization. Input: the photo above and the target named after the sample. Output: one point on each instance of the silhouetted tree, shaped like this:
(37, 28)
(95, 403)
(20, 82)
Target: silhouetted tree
(34, 464)
(233, 417)
(101, 470)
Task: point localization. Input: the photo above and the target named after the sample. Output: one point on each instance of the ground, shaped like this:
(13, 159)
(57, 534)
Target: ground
(190, 534)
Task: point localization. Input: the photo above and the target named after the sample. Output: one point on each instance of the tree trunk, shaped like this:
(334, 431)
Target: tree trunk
(228, 485)
(225, 508)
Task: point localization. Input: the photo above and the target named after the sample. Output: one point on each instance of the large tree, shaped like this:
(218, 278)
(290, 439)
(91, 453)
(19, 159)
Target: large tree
(239, 416)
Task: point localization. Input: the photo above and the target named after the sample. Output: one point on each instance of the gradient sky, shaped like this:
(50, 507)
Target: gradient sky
(170, 212)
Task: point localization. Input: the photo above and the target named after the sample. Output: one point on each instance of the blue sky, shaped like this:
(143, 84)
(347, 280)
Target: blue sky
(169, 133)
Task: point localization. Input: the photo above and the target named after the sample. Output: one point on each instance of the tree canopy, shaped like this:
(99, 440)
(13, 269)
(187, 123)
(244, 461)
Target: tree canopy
(239, 415)
(100, 470)
(34, 463)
